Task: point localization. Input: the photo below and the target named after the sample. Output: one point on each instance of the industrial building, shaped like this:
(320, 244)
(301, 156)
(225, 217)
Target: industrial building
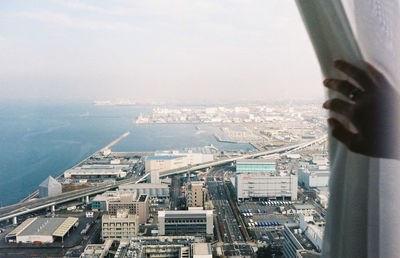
(313, 176)
(49, 187)
(185, 222)
(195, 194)
(42, 230)
(98, 171)
(120, 226)
(258, 178)
(167, 160)
(152, 190)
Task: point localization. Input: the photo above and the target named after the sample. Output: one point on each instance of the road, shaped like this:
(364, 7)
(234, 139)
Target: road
(231, 232)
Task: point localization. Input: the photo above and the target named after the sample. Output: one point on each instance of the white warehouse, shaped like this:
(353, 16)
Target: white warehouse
(259, 179)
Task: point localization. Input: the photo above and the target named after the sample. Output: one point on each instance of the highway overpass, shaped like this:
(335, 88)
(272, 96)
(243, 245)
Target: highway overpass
(21, 208)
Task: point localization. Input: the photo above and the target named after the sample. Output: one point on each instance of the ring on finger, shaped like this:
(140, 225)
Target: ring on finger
(353, 93)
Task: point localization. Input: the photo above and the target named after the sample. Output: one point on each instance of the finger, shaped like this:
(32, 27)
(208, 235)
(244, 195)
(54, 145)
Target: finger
(339, 106)
(340, 132)
(356, 73)
(341, 86)
(377, 75)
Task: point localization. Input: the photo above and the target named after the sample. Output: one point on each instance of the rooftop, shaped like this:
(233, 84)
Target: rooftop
(202, 249)
(255, 161)
(44, 226)
(164, 157)
(184, 212)
(145, 185)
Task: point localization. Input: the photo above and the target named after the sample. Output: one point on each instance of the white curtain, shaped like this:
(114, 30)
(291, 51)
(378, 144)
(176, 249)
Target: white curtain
(364, 207)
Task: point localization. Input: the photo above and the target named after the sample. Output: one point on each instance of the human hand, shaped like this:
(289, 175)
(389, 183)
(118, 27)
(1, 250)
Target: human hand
(371, 105)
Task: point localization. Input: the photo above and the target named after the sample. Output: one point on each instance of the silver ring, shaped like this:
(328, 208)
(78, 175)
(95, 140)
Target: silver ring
(353, 94)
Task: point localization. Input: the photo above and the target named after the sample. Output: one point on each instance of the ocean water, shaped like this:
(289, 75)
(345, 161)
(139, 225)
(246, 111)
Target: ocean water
(42, 139)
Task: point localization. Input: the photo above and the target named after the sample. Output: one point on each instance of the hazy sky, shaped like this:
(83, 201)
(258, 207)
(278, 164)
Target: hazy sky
(156, 49)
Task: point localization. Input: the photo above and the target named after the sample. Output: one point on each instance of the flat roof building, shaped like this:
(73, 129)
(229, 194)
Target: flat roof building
(152, 190)
(306, 235)
(158, 246)
(187, 222)
(113, 201)
(313, 177)
(42, 230)
(97, 250)
(120, 226)
(97, 171)
(255, 165)
(201, 250)
(258, 178)
(195, 194)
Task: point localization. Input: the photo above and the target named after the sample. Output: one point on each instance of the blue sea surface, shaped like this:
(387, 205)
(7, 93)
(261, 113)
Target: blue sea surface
(42, 139)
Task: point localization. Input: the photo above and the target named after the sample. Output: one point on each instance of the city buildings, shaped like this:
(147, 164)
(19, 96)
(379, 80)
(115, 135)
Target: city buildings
(258, 178)
(42, 230)
(195, 194)
(158, 246)
(185, 222)
(120, 226)
(49, 187)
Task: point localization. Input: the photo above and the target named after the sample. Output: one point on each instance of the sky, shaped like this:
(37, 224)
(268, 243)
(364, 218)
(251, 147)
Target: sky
(156, 50)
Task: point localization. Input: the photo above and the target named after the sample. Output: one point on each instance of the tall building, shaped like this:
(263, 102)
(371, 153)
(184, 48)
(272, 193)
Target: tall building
(187, 222)
(120, 226)
(139, 206)
(195, 194)
(114, 201)
(155, 177)
(258, 178)
(49, 187)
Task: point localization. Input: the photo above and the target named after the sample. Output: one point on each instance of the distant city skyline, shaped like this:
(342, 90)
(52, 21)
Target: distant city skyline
(175, 51)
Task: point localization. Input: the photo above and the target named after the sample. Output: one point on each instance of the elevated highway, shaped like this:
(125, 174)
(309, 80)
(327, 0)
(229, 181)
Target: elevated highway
(21, 208)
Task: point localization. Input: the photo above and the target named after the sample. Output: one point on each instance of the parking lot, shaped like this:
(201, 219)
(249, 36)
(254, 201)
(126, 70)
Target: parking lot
(265, 222)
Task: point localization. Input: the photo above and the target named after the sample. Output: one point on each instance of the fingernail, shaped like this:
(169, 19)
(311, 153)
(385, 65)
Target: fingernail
(326, 82)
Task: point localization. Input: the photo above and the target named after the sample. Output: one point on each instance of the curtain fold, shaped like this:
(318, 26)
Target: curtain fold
(348, 220)
(363, 215)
